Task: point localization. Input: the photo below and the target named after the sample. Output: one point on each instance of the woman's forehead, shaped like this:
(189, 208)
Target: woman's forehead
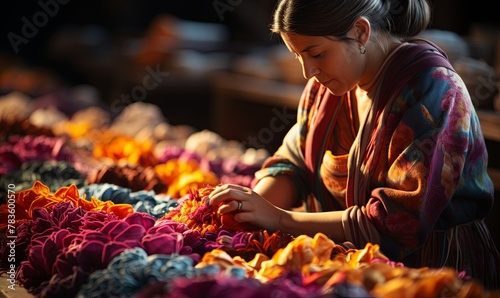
(301, 43)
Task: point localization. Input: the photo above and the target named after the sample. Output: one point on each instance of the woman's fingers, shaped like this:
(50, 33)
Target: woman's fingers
(230, 206)
(227, 192)
(249, 206)
(228, 188)
(231, 197)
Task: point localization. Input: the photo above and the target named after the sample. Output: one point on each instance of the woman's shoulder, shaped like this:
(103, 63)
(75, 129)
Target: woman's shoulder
(412, 58)
(437, 77)
(434, 85)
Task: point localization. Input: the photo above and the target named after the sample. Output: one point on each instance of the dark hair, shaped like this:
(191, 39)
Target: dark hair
(399, 18)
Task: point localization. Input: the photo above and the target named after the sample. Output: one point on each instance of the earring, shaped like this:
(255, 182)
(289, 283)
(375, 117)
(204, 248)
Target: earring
(362, 49)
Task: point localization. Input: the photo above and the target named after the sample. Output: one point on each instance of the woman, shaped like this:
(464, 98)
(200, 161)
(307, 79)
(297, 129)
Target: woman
(387, 147)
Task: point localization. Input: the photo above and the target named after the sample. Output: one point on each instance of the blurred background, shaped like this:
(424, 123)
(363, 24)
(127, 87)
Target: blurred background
(112, 46)
(207, 64)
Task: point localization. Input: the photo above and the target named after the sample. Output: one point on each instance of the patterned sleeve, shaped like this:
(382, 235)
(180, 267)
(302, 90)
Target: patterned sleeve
(435, 169)
(287, 160)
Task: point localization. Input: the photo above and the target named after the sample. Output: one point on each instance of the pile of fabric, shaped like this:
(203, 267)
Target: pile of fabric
(116, 207)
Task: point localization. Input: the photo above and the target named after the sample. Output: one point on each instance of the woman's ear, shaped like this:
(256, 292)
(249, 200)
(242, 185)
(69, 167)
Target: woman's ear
(362, 30)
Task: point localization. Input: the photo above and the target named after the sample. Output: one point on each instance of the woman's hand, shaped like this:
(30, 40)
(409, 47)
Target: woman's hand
(249, 206)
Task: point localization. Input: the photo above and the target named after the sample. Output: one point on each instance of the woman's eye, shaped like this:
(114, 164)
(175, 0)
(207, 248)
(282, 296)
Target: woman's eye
(318, 55)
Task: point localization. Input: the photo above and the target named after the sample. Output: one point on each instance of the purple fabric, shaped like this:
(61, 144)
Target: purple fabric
(20, 149)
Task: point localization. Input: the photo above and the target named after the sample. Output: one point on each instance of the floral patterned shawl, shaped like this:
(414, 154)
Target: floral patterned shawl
(415, 165)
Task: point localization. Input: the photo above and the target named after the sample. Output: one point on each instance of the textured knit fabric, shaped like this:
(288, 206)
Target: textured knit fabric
(411, 176)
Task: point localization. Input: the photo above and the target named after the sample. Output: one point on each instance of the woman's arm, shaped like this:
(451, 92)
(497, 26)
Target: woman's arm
(310, 223)
(279, 190)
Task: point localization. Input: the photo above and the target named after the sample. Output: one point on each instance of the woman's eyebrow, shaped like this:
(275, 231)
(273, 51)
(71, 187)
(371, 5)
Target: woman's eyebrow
(309, 47)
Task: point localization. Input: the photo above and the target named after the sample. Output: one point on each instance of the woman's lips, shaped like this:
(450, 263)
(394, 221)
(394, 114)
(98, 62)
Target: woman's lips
(326, 82)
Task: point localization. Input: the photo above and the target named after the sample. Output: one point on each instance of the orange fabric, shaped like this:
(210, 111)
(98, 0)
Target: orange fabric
(366, 267)
(183, 175)
(121, 148)
(198, 216)
(39, 196)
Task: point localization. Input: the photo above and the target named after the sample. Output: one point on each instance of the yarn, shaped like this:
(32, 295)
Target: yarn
(20, 149)
(40, 196)
(142, 201)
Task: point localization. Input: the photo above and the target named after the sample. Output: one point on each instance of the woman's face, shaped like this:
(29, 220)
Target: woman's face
(335, 64)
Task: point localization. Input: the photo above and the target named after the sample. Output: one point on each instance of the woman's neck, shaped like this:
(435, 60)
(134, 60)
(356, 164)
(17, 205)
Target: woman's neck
(377, 56)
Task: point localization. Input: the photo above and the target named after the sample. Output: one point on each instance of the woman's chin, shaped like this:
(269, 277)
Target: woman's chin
(336, 92)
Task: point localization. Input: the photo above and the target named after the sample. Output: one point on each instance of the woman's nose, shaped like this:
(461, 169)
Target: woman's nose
(309, 70)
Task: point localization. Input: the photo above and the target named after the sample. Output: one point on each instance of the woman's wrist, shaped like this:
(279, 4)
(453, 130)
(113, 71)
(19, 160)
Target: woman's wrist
(278, 226)
(285, 221)
(298, 223)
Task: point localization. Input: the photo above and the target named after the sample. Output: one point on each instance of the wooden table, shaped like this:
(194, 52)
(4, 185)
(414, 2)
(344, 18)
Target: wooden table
(490, 125)
(246, 108)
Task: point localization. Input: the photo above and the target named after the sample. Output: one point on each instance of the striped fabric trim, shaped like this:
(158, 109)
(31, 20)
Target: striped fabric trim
(358, 228)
